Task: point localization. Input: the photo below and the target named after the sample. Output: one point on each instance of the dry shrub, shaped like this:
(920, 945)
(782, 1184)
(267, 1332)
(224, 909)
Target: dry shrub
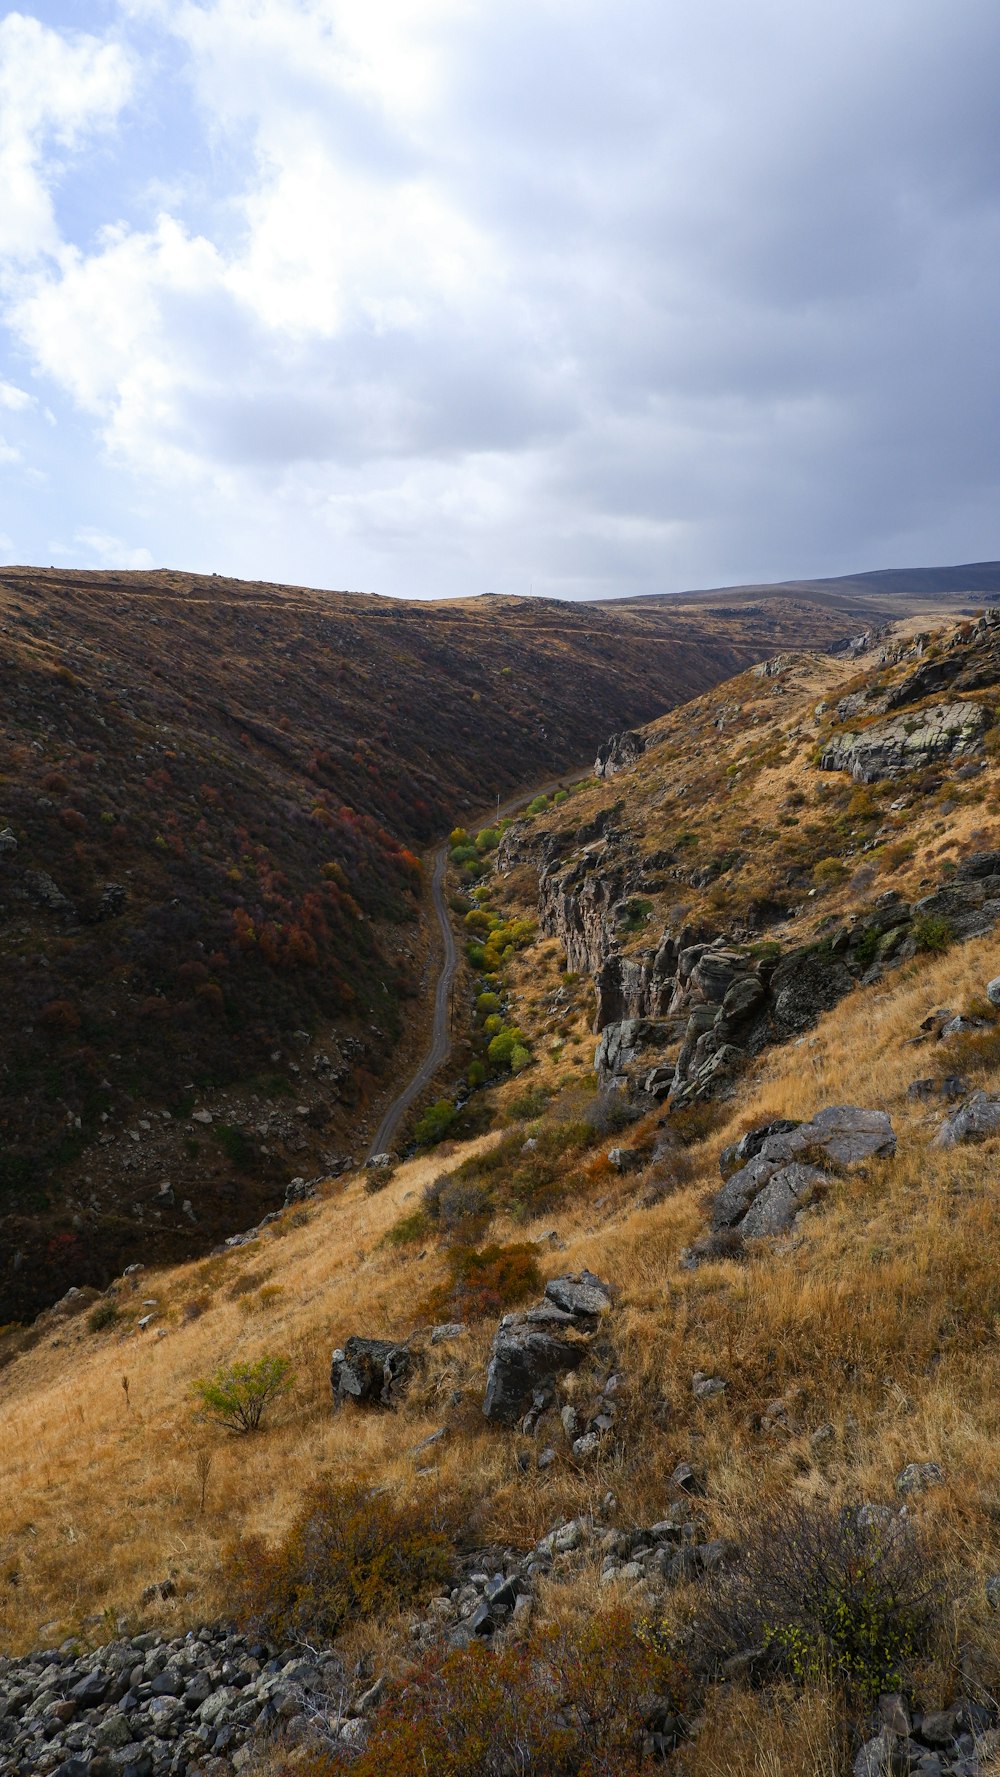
(482, 1283)
(843, 1596)
(350, 1554)
(570, 1704)
(780, 1732)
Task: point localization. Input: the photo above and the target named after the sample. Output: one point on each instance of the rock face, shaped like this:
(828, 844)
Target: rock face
(532, 1347)
(619, 752)
(904, 743)
(369, 1371)
(789, 1165)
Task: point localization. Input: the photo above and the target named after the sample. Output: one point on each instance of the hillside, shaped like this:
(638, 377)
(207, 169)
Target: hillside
(209, 893)
(733, 1505)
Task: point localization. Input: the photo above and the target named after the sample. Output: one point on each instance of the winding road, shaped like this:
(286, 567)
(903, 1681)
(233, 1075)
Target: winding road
(440, 1048)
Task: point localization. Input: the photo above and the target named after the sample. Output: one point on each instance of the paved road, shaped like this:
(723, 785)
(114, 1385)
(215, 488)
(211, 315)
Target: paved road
(440, 1047)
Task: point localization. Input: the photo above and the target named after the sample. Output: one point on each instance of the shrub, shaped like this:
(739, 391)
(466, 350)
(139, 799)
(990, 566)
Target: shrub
(103, 1314)
(481, 1284)
(236, 1145)
(933, 933)
(476, 1074)
(238, 1397)
(487, 1003)
(828, 1593)
(866, 948)
(520, 1058)
(537, 804)
(351, 1554)
(570, 1703)
(828, 872)
(503, 1045)
(410, 1229)
(434, 1124)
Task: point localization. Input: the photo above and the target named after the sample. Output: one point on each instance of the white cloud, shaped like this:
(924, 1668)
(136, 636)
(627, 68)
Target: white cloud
(54, 91)
(15, 399)
(110, 552)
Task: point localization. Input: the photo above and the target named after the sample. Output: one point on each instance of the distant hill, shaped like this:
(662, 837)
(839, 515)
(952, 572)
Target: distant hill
(895, 592)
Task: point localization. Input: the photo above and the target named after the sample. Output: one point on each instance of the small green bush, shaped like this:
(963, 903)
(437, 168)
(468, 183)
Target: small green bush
(520, 1058)
(476, 1073)
(435, 1123)
(103, 1314)
(487, 1003)
(238, 1397)
(537, 804)
(933, 933)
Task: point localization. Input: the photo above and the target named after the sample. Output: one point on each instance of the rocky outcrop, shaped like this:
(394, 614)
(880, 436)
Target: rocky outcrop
(905, 743)
(370, 1372)
(789, 1165)
(531, 1348)
(619, 752)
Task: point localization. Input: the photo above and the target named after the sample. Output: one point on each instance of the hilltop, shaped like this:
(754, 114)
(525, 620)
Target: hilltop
(750, 1262)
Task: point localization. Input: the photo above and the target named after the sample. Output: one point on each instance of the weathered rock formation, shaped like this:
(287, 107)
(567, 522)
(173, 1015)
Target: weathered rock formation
(782, 1167)
(887, 749)
(619, 752)
(531, 1348)
(368, 1371)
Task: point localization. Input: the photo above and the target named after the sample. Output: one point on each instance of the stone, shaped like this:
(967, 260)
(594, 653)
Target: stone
(993, 991)
(92, 1689)
(993, 1591)
(917, 1476)
(686, 1480)
(583, 1295)
(452, 1329)
(624, 1159)
(8, 843)
(368, 1371)
(586, 1446)
(788, 1190)
(619, 752)
(739, 1153)
(521, 1357)
(978, 1118)
(805, 985)
(624, 1041)
(704, 1387)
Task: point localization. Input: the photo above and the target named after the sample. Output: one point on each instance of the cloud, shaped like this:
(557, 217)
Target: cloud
(447, 293)
(109, 552)
(55, 91)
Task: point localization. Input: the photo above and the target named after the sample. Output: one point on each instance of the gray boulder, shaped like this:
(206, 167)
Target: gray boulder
(993, 991)
(617, 753)
(522, 1359)
(624, 1042)
(805, 985)
(787, 1191)
(763, 1196)
(368, 1371)
(978, 1118)
(582, 1296)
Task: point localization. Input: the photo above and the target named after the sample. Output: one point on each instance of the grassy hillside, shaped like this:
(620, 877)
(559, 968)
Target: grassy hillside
(856, 1344)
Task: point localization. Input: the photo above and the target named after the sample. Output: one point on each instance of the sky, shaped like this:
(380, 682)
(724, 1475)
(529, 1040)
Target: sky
(427, 298)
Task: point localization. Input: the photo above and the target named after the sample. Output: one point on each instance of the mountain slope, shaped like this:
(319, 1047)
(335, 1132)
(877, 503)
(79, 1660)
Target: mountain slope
(208, 893)
(849, 1358)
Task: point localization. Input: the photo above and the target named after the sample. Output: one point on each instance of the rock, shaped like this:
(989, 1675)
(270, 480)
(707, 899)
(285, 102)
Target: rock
(749, 1145)
(624, 1159)
(8, 843)
(917, 1476)
(704, 1387)
(938, 1727)
(586, 1446)
(369, 1371)
(92, 1689)
(905, 743)
(875, 1758)
(620, 751)
(686, 1480)
(583, 1295)
(623, 1042)
(805, 985)
(788, 1190)
(993, 1591)
(521, 1357)
(978, 1118)
(993, 991)
(452, 1329)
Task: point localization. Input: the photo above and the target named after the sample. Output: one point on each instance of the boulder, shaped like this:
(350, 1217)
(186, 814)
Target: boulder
(787, 1169)
(523, 1358)
(582, 1296)
(749, 1145)
(993, 991)
(623, 1042)
(368, 1371)
(978, 1118)
(617, 753)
